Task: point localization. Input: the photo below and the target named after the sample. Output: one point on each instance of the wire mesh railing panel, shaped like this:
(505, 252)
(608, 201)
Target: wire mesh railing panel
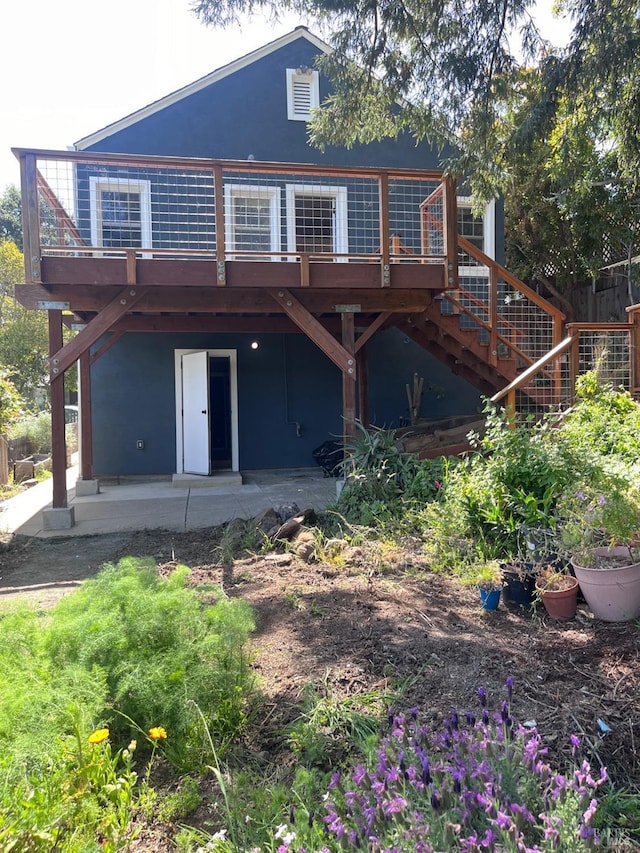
(121, 207)
(416, 218)
(609, 354)
(550, 389)
(271, 216)
(106, 208)
(525, 330)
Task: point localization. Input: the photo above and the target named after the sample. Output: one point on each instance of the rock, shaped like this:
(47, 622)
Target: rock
(279, 559)
(267, 520)
(286, 511)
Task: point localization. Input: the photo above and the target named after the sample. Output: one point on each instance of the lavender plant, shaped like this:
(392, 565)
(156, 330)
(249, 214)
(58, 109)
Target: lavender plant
(472, 785)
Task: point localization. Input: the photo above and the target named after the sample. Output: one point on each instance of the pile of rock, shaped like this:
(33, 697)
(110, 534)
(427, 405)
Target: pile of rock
(287, 523)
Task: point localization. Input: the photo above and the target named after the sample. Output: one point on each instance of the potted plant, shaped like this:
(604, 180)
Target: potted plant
(558, 592)
(489, 583)
(601, 530)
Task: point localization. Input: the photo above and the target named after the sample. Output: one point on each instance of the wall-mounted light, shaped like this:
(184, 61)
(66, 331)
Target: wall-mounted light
(254, 344)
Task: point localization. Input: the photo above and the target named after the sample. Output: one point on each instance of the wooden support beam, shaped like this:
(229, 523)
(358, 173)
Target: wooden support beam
(380, 320)
(70, 352)
(30, 218)
(58, 444)
(313, 329)
(348, 386)
(451, 231)
(218, 190)
(385, 235)
(363, 386)
(86, 431)
(210, 300)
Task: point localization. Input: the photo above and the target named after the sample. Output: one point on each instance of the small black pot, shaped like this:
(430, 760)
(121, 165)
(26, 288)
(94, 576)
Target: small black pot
(519, 585)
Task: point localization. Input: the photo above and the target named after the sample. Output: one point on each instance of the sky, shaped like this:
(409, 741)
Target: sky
(71, 67)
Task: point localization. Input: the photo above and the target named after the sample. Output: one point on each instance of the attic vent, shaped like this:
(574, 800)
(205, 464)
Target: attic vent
(302, 93)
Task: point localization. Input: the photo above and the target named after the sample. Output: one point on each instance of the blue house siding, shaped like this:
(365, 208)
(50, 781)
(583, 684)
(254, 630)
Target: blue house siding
(286, 386)
(245, 114)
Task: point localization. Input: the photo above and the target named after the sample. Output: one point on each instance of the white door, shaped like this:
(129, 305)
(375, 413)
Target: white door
(195, 413)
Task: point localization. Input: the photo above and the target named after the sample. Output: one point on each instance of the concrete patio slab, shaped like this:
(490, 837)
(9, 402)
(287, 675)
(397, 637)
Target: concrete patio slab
(155, 503)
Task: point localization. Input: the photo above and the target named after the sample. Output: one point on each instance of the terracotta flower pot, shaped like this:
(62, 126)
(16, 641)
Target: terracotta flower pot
(611, 586)
(560, 603)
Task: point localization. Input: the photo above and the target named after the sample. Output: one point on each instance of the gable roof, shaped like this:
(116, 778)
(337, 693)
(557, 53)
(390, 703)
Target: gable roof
(202, 83)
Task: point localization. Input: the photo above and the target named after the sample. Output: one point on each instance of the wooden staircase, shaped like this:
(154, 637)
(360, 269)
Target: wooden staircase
(490, 327)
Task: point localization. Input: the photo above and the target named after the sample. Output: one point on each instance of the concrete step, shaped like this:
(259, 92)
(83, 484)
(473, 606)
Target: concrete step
(220, 479)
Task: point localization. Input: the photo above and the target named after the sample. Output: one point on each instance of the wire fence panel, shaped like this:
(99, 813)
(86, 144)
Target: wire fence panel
(105, 209)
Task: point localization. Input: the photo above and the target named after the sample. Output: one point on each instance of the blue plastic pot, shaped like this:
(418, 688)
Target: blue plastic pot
(490, 598)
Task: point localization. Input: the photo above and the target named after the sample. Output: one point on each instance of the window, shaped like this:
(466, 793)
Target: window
(317, 219)
(252, 221)
(471, 226)
(479, 230)
(120, 213)
(303, 93)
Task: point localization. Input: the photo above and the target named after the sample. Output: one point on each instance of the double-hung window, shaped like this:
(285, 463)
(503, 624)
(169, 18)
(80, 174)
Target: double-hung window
(252, 221)
(120, 213)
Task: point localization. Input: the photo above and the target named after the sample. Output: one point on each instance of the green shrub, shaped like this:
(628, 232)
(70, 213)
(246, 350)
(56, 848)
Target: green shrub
(162, 654)
(36, 429)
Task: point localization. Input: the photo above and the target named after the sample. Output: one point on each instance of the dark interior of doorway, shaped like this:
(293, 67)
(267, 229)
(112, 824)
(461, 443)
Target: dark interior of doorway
(220, 407)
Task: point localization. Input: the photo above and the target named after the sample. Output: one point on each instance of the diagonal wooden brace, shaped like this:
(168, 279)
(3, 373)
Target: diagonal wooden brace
(71, 351)
(313, 329)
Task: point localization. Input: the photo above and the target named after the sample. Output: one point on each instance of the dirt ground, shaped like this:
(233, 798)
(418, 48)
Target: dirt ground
(373, 624)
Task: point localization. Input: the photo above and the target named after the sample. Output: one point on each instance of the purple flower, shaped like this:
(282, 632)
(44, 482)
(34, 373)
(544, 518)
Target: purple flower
(471, 718)
(575, 742)
(482, 695)
(394, 806)
(359, 773)
(504, 821)
(335, 780)
(601, 500)
(436, 802)
(589, 813)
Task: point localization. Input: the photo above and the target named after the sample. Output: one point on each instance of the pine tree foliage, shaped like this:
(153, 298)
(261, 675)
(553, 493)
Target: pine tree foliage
(458, 66)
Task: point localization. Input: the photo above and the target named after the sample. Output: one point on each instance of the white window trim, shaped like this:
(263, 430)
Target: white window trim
(341, 235)
(99, 183)
(489, 236)
(307, 75)
(232, 355)
(232, 191)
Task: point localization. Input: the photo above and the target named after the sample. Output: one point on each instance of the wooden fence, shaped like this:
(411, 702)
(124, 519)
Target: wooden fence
(4, 460)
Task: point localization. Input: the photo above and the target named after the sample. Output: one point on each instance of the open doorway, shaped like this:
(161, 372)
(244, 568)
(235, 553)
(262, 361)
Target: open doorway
(206, 411)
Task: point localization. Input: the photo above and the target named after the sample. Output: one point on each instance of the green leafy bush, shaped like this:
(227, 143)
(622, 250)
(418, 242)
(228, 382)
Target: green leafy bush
(162, 654)
(37, 431)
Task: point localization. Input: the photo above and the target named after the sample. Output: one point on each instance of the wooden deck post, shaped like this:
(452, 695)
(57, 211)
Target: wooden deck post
(451, 232)
(348, 385)
(385, 236)
(30, 219)
(363, 386)
(86, 443)
(58, 443)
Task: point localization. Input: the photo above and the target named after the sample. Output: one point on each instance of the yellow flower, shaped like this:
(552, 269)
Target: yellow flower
(99, 736)
(158, 733)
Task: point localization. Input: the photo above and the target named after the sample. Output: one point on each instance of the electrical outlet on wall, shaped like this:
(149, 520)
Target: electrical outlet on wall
(140, 444)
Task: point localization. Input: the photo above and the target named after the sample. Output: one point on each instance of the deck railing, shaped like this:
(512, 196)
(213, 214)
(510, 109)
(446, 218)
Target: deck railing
(611, 349)
(108, 205)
